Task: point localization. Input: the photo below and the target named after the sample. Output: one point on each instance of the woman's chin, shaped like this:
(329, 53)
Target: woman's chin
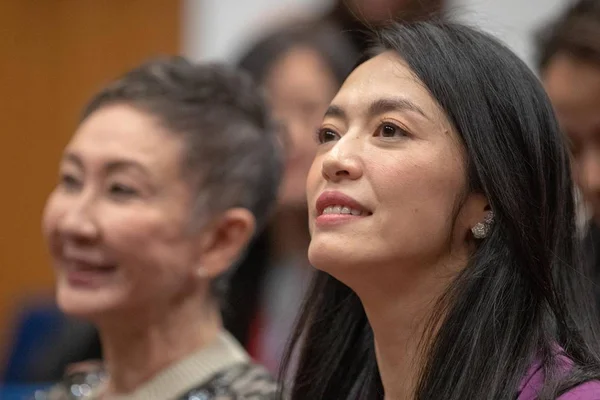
(332, 259)
(88, 305)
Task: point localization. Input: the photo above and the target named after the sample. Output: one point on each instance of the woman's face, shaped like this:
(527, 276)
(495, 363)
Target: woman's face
(300, 86)
(117, 224)
(387, 186)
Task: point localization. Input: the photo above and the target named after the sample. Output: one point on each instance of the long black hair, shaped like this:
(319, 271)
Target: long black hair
(523, 296)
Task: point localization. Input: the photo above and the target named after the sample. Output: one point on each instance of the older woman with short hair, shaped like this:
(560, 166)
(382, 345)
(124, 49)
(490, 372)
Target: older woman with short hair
(169, 173)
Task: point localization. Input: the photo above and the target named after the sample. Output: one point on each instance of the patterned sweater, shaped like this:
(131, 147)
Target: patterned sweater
(222, 371)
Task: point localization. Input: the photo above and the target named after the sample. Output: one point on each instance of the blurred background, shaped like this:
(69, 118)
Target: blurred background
(57, 53)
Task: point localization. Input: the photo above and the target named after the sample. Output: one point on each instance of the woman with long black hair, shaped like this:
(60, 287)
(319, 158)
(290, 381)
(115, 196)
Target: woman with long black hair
(442, 225)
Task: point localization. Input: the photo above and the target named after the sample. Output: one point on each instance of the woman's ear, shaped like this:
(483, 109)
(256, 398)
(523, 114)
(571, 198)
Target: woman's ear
(223, 241)
(475, 212)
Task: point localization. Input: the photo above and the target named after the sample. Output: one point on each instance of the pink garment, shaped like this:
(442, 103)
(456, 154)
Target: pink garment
(534, 379)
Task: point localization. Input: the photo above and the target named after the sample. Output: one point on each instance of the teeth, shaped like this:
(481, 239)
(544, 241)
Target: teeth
(341, 210)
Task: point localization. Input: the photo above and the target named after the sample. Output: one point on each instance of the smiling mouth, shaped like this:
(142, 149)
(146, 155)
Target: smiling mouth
(343, 210)
(83, 266)
(334, 207)
(83, 275)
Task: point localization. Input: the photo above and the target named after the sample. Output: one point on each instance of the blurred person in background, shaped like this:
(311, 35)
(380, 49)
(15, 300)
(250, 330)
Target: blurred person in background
(300, 67)
(569, 62)
(170, 172)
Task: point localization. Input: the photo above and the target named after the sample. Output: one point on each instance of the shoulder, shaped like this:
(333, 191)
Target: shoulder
(245, 381)
(586, 391)
(534, 382)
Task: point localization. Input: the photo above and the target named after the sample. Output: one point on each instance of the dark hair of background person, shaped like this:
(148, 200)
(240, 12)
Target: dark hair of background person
(323, 38)
(359, 31)
(575, 33)
(243, 295)
(232, 158)
(522, 294)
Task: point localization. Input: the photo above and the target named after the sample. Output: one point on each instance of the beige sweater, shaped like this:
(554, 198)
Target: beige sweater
(172, 383)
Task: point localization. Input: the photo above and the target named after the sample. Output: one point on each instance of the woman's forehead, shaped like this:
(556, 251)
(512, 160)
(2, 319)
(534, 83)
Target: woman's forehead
(386, 76)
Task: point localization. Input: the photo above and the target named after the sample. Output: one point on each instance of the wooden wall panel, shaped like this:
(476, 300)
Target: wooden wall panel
(53, 55)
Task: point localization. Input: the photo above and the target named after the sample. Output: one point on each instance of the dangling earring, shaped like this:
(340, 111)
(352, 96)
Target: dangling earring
(482, 229)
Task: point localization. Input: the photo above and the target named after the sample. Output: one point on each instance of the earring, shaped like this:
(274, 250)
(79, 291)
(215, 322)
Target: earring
(201, 272)
(482, 229)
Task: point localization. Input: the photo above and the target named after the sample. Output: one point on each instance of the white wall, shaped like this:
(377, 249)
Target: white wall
(513, 21)
(219, 29)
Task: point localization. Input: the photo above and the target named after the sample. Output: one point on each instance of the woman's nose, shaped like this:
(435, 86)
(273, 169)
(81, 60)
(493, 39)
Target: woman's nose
(342, 162)
(78, 222)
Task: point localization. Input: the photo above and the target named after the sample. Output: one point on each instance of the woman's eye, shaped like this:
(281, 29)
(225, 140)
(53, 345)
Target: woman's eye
(69, 182)
(120, 190)
(388, 130)
(326, 135)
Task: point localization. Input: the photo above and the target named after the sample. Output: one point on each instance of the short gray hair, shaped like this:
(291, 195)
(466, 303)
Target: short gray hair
(233, 151)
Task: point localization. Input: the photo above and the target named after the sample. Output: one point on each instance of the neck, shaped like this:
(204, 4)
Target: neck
(135, 352)
(289, 234)
(399, 311)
